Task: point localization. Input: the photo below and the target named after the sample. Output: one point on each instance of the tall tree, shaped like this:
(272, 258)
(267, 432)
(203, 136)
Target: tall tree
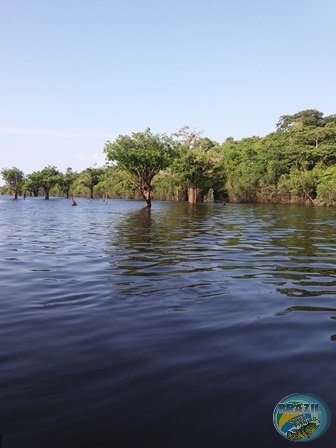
(14, 179)
(143, 155)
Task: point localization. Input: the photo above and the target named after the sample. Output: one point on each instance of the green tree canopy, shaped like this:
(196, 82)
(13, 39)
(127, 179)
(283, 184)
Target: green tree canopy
(14, 179)
(33, 183)
(66, 180)
(309, 117)
(91, 177)
(196, 162)
(45, 179)
(142, 155)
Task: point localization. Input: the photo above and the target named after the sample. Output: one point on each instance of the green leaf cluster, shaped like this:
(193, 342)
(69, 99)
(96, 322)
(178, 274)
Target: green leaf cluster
(142, 156)
(14, 178)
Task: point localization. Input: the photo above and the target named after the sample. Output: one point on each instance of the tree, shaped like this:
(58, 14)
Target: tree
(67, 180)
(299, 183)
(195, 162)
(143, 155)
(33, 183)
(309, 117)
(326, 186)
(14, 179)
(244, 169)
(45, 179)
(90, 178)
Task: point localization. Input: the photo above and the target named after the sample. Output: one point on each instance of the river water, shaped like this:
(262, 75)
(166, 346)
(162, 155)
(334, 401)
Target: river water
(182, 327)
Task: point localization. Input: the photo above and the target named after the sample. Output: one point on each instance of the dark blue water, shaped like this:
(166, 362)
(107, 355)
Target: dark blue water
(182, 327)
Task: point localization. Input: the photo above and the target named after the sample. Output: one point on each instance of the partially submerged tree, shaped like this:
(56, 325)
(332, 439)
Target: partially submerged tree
(91, 177)
(244, 169)
(33, 183)
(195, 162)
(45, 179)
(14, 179)
(142, 155)
(67, 180)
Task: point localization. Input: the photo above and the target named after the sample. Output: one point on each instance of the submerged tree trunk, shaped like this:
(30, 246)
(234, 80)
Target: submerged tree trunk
(91, 192)
(144, 188)
(309, 197)
(15, 192)
(147, 197)
(46, 193)
(192, 194)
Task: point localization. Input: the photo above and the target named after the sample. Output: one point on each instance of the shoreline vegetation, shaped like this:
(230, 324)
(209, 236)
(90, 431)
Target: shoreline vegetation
(294, 164)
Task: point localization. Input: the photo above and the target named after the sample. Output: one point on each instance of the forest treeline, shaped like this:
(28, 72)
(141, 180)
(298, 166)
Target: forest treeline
(294, 164)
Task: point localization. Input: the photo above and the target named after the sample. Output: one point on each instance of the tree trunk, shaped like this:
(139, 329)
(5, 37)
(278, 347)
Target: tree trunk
(309, 197)
(15, 194)
(146, 195)
(91, 192)
(192, 194)
(46, 193)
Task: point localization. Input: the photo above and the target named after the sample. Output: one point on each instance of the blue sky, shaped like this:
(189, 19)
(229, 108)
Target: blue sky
(76, 73)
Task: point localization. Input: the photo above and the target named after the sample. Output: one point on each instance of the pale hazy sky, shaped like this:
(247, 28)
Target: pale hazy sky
(75, 73)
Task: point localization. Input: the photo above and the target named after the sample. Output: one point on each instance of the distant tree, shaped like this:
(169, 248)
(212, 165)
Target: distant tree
(91, 177)
(330, 119)
(5, 189)
(309, 117)
(14, 179)
(33, 183)
(195, 162)
(45, 179)
(300, 183)
(143, 155)
(245, 169)
(66, 181)
(117, 183)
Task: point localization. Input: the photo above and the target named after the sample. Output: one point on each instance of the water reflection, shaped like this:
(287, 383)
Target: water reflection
(163, 251)
(159, 234)
(289, 248)
(304, 308)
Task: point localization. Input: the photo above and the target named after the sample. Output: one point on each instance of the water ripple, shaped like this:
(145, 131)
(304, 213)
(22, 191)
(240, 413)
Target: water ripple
(156, 328)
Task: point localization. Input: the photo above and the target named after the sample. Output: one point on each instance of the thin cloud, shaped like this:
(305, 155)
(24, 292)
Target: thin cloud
(53, 133)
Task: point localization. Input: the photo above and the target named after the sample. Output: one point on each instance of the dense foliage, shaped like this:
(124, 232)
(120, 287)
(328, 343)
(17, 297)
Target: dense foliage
(296, 163)
(142, 156)
(14, 180)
